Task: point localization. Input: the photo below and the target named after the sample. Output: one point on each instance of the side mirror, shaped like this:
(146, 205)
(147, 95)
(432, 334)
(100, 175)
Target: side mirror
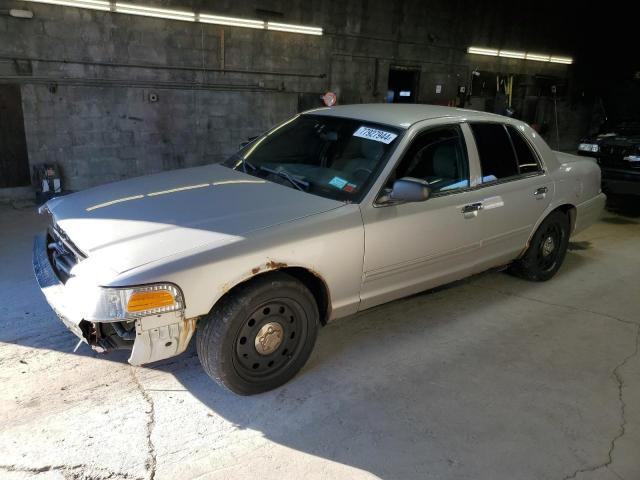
(407, 189)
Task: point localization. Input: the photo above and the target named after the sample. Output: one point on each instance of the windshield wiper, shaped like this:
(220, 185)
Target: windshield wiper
(299, 184)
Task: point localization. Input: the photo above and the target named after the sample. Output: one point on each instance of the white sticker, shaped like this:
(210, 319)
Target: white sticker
(375, 134)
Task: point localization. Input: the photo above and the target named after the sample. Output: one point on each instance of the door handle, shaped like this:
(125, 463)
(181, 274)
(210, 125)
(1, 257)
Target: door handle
(472, 208)
(540, 192)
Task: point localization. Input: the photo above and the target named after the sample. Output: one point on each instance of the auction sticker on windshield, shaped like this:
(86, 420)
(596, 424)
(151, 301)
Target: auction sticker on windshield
(375, 134)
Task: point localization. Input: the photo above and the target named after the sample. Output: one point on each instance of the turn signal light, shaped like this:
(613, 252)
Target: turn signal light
(142, 301)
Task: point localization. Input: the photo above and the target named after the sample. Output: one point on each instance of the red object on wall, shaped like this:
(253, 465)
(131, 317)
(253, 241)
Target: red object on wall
(329, 99)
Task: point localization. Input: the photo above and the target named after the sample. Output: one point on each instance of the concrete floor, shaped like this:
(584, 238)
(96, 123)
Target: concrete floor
(490, 378)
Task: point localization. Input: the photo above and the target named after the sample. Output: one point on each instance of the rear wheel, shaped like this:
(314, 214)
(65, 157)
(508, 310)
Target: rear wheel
(259, 336)
(546, 251)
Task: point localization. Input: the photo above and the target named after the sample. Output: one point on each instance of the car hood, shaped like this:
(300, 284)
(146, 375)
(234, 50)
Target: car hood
(133, 222)
(613, 139)
(621, 141)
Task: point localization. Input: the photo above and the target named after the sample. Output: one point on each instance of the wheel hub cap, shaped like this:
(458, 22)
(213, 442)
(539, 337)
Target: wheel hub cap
(269, 338)
(548, 246)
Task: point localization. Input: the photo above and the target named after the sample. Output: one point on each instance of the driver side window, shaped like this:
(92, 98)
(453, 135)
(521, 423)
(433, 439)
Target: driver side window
(439, 157)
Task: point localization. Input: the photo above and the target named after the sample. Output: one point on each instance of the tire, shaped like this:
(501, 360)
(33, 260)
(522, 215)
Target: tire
(260, 335)
(546, 251)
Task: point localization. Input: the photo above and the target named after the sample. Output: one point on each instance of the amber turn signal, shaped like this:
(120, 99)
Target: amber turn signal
(141, 301)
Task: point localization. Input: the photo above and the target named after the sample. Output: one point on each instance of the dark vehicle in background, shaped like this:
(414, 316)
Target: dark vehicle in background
(618, 154)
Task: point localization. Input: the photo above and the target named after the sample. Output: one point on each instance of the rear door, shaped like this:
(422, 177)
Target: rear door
(515, 191)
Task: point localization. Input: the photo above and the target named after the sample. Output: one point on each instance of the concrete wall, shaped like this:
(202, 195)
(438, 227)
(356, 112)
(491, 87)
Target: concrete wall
(109, 96)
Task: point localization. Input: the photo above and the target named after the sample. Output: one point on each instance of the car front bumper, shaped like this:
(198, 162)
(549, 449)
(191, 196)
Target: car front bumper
(156, 337)
(53, 289)
(621, 182)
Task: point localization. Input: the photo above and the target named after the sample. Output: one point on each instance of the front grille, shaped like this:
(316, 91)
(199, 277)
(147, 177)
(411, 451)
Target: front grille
(615, 150)
(62, 253)
(612, 156)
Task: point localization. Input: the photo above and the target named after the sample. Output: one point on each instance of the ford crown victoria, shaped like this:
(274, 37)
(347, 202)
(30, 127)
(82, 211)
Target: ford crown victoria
(334, 211)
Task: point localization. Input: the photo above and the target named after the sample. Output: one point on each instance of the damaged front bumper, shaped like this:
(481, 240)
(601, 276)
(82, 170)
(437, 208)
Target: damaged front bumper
(150, 338)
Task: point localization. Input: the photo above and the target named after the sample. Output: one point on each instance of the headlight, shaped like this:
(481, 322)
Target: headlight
(589, 147)
(632, 158)
(133, 302)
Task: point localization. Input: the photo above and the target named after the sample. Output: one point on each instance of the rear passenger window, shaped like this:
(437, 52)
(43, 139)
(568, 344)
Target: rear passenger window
(497, 157)
(527, 161)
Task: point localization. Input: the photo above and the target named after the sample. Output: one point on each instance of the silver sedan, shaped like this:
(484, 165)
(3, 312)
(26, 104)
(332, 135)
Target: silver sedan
(332, 212)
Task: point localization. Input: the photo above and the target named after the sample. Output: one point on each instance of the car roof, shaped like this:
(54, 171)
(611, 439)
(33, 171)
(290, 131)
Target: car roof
(402, 115)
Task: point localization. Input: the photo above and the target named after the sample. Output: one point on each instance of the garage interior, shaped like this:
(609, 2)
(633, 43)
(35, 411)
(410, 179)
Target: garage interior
(487, 378)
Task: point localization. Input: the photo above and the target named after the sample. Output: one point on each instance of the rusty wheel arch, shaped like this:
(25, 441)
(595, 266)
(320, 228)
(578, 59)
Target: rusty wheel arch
(567, 209)
(310, 279)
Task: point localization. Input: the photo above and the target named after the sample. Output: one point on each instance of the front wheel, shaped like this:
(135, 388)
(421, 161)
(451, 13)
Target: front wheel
(546, 251)
(259, 336)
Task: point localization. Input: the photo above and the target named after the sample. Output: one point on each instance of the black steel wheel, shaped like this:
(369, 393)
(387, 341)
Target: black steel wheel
(260, 335)
(546, 251)
(270, 339)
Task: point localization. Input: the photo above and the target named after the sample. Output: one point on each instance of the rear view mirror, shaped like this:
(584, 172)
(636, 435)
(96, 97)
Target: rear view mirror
(407, 189)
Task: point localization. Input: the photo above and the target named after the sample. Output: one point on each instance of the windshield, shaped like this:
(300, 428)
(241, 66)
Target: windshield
(629, 129)
(331, 157)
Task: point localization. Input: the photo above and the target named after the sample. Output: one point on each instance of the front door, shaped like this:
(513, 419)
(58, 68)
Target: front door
(411, 247)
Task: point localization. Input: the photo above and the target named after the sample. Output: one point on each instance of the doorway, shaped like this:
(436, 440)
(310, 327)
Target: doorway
(14, 162)
(403, 85)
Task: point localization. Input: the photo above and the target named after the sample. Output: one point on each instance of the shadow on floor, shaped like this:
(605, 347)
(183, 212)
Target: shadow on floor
(577, 246)
(389, 380)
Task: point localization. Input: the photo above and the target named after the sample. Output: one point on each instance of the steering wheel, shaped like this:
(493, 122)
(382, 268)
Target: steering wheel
(362, 169)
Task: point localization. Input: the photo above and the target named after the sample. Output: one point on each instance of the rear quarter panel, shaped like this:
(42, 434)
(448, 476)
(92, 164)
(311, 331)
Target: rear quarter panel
(577, 183)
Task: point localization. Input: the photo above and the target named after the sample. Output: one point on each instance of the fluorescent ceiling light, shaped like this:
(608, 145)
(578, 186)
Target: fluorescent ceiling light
(286, 27)
(511, 54)
(91, 4)
(132, 9)
(565, 60)
(14, 12)
(538, 57)
(483, 51)
(155, 12)
(234, 22)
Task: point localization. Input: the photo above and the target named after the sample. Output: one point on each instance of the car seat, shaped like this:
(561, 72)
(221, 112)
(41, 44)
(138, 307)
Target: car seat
(370, 154)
